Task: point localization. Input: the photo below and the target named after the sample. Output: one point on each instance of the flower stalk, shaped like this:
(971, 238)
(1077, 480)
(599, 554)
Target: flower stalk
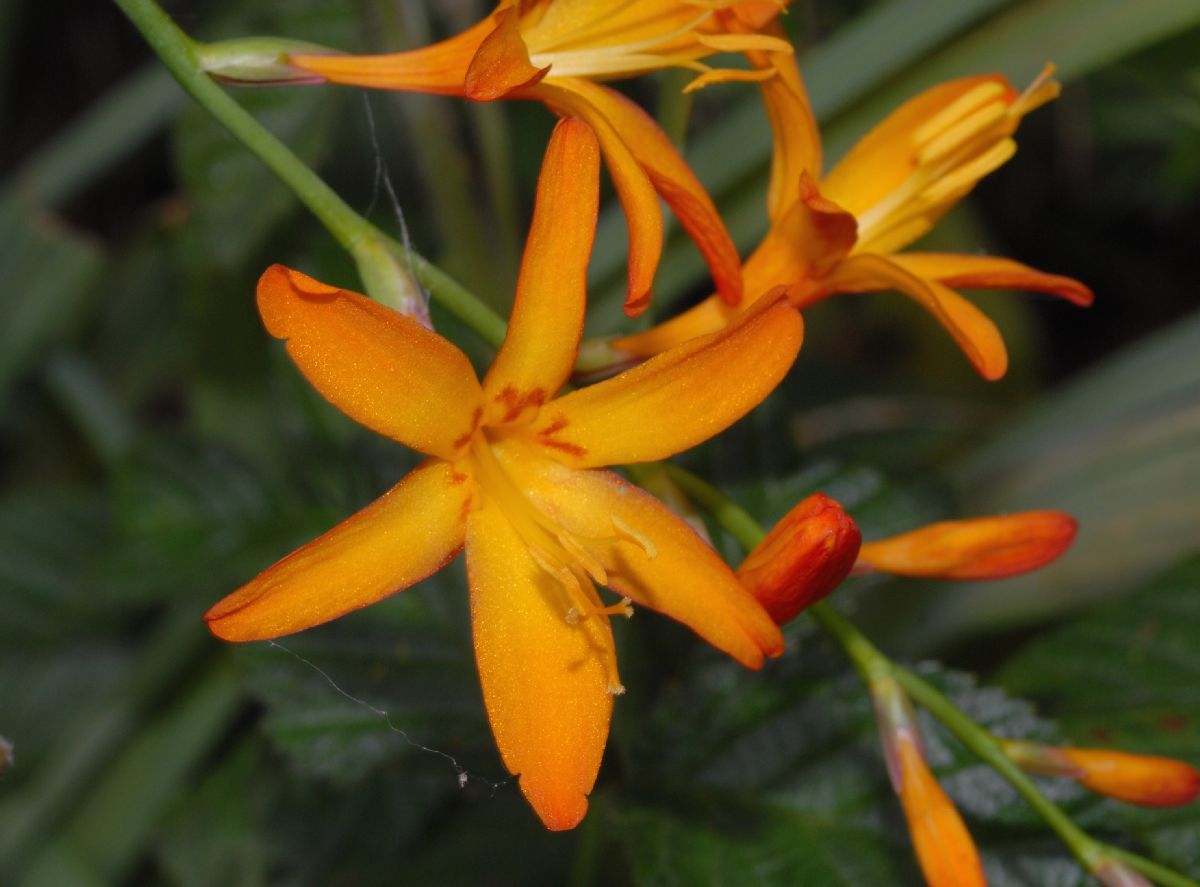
(182, 56)
(873, 665)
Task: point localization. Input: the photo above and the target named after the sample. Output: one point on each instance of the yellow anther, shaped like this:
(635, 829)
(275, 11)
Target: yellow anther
(966, 175)
(974, 126)
(966, 103)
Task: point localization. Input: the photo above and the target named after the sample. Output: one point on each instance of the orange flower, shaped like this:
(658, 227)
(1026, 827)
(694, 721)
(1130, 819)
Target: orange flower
(977, 548)
(943, 845)
(806, 555)
(1148, 780)
(843, 233)
(551, 51)
(509, 477)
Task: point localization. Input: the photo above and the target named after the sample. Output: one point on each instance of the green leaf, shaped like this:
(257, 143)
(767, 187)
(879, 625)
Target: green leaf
(740, 770)
(238, 203)
(212, 835)
(110, 824)
(48, 270)
(772, 848)
(395, 680)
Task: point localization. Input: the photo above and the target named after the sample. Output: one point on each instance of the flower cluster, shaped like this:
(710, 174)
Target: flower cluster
(514, 469)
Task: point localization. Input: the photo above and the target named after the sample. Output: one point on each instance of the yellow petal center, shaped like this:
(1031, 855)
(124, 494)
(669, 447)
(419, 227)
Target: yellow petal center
(950, 152)
(573, 560)
(583, 38)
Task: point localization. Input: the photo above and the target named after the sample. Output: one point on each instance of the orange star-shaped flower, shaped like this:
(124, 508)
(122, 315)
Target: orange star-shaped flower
(845, 232)
(551, 51)
(510, 476)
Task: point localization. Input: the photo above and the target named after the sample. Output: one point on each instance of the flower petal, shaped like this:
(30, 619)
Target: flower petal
(1149, 780)
(677, 399)
(978, 548)
(439, 68)
(380, 368)
(975, 334)
(709, 316)
(797, 140)
(545, 682)
(886, 155)
(943, 845)
(653, 557)
(634, 131)
(539, 351)
(501, 65)
(991, 272)
(403, 536)
(807, 240)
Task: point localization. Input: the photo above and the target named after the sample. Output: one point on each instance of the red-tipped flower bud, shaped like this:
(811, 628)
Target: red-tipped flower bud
(1148, 780)
(944, 848)
(979, 548)
(805, 556)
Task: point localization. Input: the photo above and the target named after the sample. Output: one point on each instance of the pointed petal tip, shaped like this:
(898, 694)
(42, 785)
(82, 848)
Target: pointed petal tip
(637, 303)
(501, 65)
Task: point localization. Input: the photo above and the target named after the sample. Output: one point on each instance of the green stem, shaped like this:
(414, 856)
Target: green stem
(871, 663)
(675, 105)
(180, 54)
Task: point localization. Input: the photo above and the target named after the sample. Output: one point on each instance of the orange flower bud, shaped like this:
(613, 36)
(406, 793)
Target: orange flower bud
(1148, 780)
(979, 548)
(944, 848)
(804, 557)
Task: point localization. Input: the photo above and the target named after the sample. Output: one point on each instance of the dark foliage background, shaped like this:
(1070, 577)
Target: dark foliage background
(156, 450)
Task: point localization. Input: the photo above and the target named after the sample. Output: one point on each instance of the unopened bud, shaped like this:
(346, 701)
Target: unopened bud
(806, 555)
(944, 848)
(979, 548)
(1148, 780)
(258, 61)
(388, 281)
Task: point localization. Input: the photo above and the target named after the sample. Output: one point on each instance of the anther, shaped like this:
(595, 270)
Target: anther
(616, 689)
(970, 101)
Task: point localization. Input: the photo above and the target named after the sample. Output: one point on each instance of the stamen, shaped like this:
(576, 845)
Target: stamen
(1043, 89)
(959, 134)
(970, 101)
(616, 689)
(586, 559)
(972, 171)
(629, 534)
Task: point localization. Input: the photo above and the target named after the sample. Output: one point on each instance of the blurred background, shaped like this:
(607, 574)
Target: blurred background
(157, 450)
